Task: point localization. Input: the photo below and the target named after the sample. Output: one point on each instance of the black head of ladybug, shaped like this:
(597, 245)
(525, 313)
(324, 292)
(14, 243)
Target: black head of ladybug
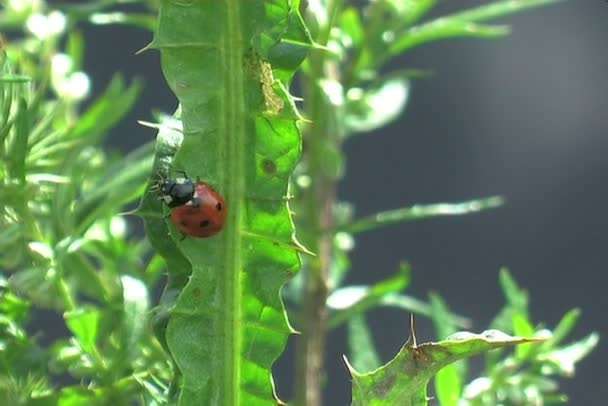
(176, 191)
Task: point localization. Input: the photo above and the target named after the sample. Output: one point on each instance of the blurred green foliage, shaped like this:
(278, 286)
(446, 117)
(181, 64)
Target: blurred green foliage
(66, 250)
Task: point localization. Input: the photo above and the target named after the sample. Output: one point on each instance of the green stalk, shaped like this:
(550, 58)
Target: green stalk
(322, 140)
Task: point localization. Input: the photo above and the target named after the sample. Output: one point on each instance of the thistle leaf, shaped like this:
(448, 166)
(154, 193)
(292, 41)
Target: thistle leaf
(403, 380)
(229, 64)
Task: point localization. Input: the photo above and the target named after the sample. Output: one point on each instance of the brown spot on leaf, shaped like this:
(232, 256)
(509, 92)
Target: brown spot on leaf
(269, 166)
(383, 387)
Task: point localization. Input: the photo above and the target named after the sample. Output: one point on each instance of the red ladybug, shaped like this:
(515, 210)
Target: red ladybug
(203, 216)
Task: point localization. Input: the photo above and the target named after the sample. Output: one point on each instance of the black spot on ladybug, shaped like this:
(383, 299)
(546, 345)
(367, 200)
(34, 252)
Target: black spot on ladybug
(269, 166)
(204, 223)
(218, 207)
(183, 223)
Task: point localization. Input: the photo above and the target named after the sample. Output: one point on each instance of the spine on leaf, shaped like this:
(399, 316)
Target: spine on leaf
(229, 63)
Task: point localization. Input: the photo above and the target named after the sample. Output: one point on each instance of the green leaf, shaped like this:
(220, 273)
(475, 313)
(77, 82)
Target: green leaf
(361, 346)
(565, 358)
(421, 212)
(135, 308)
(84, 323)
(141, 20)
(444, 28)
(564, 327)
(449, 380)
(517, 298)
(121, 184)
(403, 380)
(169, 138)
(443, 320)
(39, 285)
(412, 305)
(352, 26)
(376, 106)
(410, 11)
(515, 315)
(13, 307)
(10, 78)
(19, 146)
(107, 110)
(390, 36)
(448, 385)
(76, 397)
(354, 300)
(498, 9)
(228, 325)
(463, 24)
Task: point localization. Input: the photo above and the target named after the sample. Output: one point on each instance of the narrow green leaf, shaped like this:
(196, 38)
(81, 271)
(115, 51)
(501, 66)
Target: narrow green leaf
(444, 28)
(411, 11)
(14, 307)
(498, 9)
(448, 385)
(39, 285)
(84, 323)
(517, 298)
(353, 300)
(449, 380)
(565, 358)
(135, 306)
(228, 324)
(443, 320)
(412, 305)
(11, 78)
(75, 49)
(403, 380)
(122, 183)
(352, 26)
(376, 106)
(361, 346)
(421, 212)
(141, 20)
(107, 110)
(521, 325)
(564, 327)
(76, 396)
(462, 24)
(19, 145)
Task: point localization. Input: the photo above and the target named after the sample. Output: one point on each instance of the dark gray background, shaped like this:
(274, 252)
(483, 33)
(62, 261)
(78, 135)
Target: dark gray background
(524, 117)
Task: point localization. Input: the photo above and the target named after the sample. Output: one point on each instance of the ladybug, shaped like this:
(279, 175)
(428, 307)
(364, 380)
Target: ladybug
(197, 209)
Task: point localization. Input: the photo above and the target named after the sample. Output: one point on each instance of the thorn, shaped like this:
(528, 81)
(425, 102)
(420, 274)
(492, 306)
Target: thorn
(412, 341)
(149, 46)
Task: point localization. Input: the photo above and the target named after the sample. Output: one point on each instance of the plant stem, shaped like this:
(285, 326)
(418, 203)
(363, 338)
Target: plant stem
(311, 345)
(321, 137)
